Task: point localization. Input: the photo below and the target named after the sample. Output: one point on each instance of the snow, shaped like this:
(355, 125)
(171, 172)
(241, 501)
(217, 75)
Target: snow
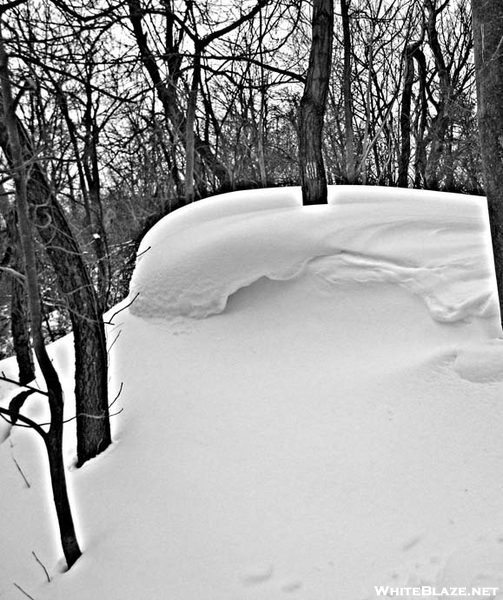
(191, 264)
(311, 407)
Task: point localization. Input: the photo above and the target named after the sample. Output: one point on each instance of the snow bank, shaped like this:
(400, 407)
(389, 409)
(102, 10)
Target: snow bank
(193, 260)
(321, 437)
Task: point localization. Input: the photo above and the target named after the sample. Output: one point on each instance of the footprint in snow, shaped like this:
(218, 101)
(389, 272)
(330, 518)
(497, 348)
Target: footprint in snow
(291, 586)
(257, 574)
(262, 574)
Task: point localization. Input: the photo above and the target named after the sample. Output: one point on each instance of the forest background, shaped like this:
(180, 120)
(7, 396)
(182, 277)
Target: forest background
(132, 109)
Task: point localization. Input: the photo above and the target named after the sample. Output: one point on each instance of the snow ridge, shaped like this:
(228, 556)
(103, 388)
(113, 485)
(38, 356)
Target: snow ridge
(192, 261)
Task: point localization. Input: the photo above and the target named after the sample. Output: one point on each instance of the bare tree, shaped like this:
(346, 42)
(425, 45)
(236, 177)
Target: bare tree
(13, 283)
(313, 105)
(488, 42)
(166, 88)
(450, 39)
(76, 287)
(413, 53)
(53, 437)
(346, 86)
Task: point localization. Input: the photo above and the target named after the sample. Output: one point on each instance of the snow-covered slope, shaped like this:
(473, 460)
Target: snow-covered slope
(312, 406)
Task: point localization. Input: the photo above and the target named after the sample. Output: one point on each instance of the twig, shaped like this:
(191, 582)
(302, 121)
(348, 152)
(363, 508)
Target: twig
(9, 421)
(42, 565)
(21, 471)
(110, 321)
(3, 377)
(89, 416)
(25, 593)
(142, 253)
(14, 273)
(26, 422)
(115, 339)
(117, 396)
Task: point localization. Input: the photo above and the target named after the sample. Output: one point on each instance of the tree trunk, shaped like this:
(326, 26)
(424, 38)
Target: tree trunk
(54, 447)
(91, 359)
(189, 130)
(420, 159)
(95, 209)
(262, 111)
(440, 124)
(19, 313)
(54, 437)
(488, 36)
(405, 114)
(346, 89)
(21, 332)
(405, 125)
(90, 187)
(312, 105)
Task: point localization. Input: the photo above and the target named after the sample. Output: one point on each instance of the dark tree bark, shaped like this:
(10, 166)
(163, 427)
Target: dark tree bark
(21, 338)
(346, 89)
(54, 446)
(405, 125)
(488, 44)
(441, 122)
(19, 314)
(422, 118)
(53, 438)
(312, 106)
(91, 360)
(190, 133)
(94, 209)
(88, 172)
(405, 114)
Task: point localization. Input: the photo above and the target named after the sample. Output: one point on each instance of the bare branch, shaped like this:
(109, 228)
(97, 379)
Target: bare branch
(11, 4)
(5, 412)
(110, 321)
(13, 272)
(22, 591)
(3, 377)
(43, 567)
(21, 472)
(220, 32)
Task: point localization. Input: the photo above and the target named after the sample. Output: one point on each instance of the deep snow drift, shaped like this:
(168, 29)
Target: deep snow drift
(191, 263)
(312, 406)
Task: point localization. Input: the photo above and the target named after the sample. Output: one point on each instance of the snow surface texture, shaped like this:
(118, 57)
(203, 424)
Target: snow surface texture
(334, 425)
(190, 264)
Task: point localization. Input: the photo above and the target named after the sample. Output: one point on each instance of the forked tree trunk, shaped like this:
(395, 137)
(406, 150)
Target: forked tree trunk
(312, 106)
(53, 438)
(91, 359)
(488, 45)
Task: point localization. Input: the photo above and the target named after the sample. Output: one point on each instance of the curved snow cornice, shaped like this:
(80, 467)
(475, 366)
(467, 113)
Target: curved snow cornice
(436, 245)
